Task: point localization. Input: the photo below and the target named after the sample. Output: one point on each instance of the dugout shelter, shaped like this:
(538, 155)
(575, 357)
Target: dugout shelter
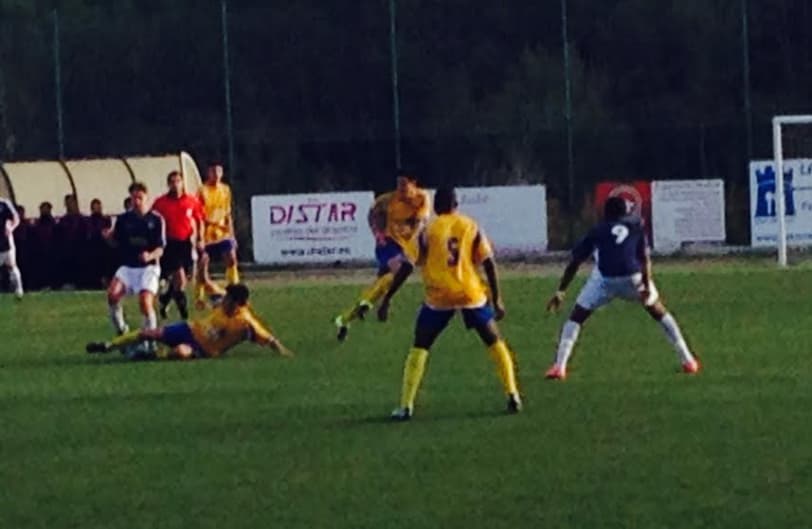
(28, 184)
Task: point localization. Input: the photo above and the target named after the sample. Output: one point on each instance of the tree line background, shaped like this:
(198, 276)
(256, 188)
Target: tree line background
(661, 89)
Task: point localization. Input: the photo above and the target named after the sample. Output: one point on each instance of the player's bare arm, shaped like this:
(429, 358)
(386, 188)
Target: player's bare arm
(153, 255)
(493, 285)
(400, 278)
(566, 279)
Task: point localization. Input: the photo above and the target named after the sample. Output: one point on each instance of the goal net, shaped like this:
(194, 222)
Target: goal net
(792, 159)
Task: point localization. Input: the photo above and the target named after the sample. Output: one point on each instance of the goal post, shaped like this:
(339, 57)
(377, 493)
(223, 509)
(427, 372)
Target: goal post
(779, 123)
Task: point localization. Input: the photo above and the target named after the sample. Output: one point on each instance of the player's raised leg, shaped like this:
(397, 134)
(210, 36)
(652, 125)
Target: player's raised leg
(369, 297)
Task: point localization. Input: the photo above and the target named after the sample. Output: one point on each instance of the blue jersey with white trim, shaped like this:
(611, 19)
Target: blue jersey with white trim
(617, 246)
(136, 233)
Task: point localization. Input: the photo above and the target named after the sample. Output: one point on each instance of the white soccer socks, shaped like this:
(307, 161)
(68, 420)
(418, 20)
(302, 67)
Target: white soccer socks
(150, 321)
(674, 335)
(117, 318)
(569, 335)
(16, 279)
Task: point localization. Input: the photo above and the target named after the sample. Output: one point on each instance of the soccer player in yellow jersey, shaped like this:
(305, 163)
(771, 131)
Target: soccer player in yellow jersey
(395, 219)
(227, 325)
(219, 241)
(450, 250)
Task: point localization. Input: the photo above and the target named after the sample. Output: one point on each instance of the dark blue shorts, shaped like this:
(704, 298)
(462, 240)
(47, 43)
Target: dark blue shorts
(181, 334)
(385, 253)
(218, 250)
(437, 320)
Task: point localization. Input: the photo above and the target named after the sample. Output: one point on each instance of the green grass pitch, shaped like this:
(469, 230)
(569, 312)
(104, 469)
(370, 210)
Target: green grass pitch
(252, 440)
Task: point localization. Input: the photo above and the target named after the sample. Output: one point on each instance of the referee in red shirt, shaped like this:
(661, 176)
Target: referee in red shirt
(183, 216)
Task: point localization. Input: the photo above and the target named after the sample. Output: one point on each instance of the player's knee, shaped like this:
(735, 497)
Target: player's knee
(488, 333)
(146, 302)
(657, 310)
(394, 265)
(580, 314)
(424, 338)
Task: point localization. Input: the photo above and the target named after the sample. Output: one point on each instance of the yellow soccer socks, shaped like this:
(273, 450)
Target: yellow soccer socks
(232, 274)
(505, 367)
(369, 298)
(128, 338)
(413, 370)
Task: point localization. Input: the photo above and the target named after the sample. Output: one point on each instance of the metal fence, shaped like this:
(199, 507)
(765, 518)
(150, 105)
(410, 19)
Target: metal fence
(307, 95)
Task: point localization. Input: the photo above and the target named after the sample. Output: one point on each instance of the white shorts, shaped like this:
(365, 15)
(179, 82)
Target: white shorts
(8, 258)
(599, 290)
(140, 279)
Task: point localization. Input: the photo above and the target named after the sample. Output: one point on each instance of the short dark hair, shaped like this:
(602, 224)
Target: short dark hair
(238, 293)
(615, 208)
(445, 200)
(405, 172)
(95, 201)
(171, 174)
(215, 163)
(138, 186)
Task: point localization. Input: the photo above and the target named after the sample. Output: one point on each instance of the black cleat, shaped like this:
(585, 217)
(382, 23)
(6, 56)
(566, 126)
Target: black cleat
(514, 404)
(401, 415)
(163, 311)
(343, 329)
(97, 348)
(362, 311)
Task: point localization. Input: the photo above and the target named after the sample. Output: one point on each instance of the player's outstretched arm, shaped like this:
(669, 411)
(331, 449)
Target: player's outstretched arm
(402, 274)
(280, 348)
(493, 284)
(569, 274)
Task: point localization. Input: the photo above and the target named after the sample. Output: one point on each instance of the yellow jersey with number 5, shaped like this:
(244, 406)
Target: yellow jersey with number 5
(216, 200)
(451, 249)
(218, 332)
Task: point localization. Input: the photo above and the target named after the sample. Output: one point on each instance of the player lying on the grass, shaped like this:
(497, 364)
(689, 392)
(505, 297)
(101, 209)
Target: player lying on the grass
(450, 250)
(623, 270)
(140, 237)
(227, 325)
(395, 219)
(8, 254)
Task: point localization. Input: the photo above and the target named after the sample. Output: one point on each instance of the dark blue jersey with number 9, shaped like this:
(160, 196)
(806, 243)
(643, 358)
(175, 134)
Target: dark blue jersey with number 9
(617, 246)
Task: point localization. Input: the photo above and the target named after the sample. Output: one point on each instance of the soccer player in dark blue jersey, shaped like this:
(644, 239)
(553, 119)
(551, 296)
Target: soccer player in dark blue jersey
(9, 220)
(622, 270)
(139, 235)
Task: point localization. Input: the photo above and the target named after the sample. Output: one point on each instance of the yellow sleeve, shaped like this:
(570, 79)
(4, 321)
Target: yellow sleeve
(228, 199)
(424, 212)
(482, 247)
(378, 214)
(258, 333)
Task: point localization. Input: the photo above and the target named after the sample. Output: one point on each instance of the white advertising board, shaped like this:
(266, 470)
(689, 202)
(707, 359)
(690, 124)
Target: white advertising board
(687, 211)
(513, 217)
(797, 200)
(312, 228)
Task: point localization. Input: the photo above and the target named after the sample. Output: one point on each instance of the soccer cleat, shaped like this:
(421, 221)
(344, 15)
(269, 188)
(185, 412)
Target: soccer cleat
(163, 310)
(556, 373)
(342, 329)
(691, 368)
(514, 404)
(401, 414)
(97, 347)
(363, 308)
